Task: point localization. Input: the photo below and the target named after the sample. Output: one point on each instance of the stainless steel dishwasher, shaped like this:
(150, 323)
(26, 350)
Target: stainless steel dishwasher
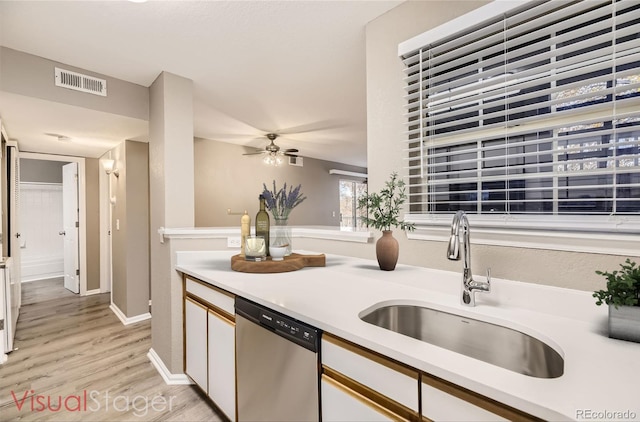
(276, 366)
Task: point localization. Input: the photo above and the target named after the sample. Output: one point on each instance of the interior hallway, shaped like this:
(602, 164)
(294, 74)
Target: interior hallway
(74, 350)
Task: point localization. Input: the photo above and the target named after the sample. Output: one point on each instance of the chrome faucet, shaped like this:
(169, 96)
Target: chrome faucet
(469, 285)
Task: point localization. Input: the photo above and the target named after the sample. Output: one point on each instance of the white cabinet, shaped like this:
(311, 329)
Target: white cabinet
(443, 401)
(360, 385)
(221, 357)
(340, 403)
(440, 406)
(209, 333)
(195, 331)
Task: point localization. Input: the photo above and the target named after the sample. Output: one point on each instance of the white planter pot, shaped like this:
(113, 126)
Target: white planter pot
(624, 323)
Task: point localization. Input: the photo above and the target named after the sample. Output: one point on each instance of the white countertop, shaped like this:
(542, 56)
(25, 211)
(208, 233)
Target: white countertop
(600, 374)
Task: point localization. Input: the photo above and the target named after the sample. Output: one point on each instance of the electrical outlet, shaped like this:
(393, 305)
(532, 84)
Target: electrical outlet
(233, 242)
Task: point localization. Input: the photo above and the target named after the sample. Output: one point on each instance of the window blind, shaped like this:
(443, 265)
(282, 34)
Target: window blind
(533, 112)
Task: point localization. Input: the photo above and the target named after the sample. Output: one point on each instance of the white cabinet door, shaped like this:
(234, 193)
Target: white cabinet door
(222, 371)
(195, 316)
(341, 404)
(438, 405)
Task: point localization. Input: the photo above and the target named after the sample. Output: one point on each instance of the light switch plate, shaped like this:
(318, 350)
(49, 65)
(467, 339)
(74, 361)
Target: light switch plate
(233, 242)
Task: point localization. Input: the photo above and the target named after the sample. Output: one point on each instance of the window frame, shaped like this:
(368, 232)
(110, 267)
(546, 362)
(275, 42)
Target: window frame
(617, 234)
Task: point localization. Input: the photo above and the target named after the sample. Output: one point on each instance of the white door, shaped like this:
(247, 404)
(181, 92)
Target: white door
(13, 293)
(70, 226)
(15, 241)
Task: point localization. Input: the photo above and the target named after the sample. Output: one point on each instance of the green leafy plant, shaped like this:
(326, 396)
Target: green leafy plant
(383, 208)
(623, 287)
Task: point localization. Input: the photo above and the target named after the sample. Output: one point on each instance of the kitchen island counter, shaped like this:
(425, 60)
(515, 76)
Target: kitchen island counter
(599, 372)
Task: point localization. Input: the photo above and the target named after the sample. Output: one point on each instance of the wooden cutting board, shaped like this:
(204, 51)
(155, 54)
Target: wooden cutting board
(292, 262)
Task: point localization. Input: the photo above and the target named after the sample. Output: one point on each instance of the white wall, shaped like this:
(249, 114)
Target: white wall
(41, 221)
(224, 179)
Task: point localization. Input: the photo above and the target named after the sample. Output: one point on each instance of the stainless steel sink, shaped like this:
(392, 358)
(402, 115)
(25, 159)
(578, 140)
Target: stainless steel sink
(495, 344)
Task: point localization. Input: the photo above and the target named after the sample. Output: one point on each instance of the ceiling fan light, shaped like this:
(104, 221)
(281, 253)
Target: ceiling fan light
(278, 160)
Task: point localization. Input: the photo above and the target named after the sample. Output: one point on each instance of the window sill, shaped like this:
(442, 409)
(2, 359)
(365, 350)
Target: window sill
(590, 234)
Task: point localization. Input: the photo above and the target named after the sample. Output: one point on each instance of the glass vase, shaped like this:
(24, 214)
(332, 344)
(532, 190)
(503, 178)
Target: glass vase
(281, 234)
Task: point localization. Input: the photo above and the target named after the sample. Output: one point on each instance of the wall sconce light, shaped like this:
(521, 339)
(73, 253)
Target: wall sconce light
(109, 167)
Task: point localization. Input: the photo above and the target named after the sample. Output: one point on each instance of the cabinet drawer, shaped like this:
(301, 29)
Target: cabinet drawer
(213, 295)
(440, 406)
(381, 374)
(340, 404)
(443, 401)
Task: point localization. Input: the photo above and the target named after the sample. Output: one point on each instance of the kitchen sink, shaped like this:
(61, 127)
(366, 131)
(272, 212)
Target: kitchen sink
(488, 342)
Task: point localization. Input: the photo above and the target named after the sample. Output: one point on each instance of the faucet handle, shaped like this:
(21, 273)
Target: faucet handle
(488, 277)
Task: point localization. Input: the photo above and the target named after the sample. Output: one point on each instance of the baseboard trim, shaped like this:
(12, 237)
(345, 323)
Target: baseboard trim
(168, 377)
(93, 292)
(128, 320)
(41, 278)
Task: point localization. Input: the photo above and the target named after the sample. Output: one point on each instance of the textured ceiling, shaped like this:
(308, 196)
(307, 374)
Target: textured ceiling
(291, 67)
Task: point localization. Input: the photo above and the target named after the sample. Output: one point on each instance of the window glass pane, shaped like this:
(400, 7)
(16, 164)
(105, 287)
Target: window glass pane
(350, 192)
(582, 195)
(628, 193)
(361, 190)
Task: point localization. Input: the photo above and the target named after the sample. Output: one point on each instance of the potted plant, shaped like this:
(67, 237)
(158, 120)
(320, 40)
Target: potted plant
(382, 213)
(623, 297)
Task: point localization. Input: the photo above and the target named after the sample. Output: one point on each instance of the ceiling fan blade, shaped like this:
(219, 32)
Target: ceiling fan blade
(286, 154)
(317, 126)
(254, 153)
(290, 150)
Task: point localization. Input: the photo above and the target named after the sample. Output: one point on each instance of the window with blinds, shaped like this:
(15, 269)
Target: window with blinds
(534, 112)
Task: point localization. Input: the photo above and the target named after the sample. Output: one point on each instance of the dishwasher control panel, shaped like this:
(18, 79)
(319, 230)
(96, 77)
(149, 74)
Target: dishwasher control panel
(288, 326)
(292, 329)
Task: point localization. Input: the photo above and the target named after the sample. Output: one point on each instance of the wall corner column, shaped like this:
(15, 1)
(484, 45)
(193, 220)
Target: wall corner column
(171, 194)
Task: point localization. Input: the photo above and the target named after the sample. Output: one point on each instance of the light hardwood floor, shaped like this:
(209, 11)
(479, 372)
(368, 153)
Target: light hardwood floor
(44, 290)
(68, 346)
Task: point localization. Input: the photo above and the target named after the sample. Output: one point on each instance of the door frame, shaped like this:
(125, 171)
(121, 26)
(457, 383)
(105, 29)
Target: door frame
(82, 209)
(106, 206)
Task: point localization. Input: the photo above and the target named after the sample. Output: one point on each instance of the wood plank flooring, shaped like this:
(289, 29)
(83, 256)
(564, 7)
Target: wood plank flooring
(43, 290)
(74, 350)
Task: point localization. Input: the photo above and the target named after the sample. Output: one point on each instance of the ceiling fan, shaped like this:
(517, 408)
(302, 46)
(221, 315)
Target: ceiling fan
(273, 152)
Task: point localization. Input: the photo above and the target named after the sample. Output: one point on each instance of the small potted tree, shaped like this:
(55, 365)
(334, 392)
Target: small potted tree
(383, 211)
(623, 297)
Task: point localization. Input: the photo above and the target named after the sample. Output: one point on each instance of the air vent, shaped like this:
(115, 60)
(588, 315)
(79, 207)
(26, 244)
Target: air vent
(295, 161)
(80, 82)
